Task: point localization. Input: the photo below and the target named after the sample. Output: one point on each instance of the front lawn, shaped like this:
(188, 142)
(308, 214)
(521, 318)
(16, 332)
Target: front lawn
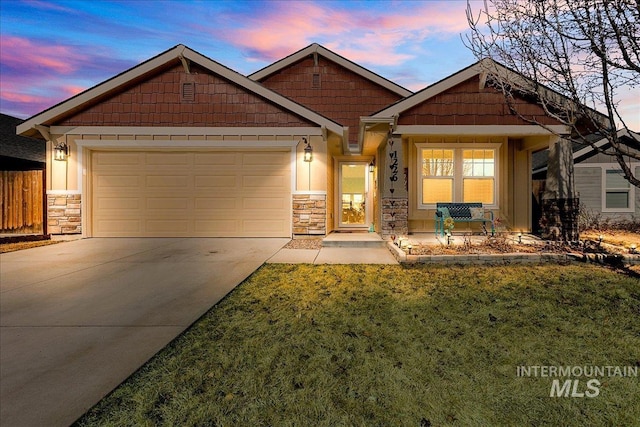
(319, 345)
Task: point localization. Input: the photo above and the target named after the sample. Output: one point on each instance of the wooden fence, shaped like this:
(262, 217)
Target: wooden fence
(21, 195)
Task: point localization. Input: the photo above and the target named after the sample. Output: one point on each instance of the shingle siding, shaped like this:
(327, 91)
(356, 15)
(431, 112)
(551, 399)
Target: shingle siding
(467, 104)
(341, 95)
(159, 101)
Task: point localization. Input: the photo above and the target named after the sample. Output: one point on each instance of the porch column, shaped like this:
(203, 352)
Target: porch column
(559, 200)
(393, 178)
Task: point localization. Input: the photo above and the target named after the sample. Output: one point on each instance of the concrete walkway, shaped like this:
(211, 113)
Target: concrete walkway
(333, 256)
(77, 318)
(340, 248)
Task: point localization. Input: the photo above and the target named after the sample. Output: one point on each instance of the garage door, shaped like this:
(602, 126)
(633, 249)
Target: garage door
(199, 194)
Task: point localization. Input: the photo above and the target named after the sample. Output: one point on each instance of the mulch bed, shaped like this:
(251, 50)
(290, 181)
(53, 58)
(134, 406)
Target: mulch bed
(304, 244)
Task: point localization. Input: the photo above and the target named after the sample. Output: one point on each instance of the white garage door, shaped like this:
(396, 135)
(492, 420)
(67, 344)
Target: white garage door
(194, 194)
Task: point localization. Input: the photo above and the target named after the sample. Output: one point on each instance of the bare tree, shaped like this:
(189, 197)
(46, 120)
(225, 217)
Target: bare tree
(572, 57)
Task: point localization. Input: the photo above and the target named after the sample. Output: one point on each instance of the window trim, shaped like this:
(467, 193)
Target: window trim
(458, 176)
(632, 194)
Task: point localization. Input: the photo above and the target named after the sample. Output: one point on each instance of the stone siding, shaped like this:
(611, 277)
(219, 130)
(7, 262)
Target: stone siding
(395, 213)
(64, 213)
(310, 214)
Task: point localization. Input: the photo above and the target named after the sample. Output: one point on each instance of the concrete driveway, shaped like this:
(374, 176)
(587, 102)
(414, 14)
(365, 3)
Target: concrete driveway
(77, 318)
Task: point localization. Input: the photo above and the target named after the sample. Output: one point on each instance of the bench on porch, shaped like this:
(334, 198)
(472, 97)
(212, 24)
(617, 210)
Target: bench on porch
(462, 212)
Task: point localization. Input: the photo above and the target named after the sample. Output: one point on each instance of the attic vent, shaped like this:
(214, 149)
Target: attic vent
(316, 81)
(188, 92)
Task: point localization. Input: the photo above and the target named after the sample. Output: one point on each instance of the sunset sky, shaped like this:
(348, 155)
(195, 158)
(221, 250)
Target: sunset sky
(50, 51)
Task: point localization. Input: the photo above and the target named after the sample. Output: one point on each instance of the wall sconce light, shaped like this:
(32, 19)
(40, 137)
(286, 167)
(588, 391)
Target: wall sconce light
(600, 239)
(61, 151)
(372, 166)
(308, 151)
(520, 237)
(632, 248)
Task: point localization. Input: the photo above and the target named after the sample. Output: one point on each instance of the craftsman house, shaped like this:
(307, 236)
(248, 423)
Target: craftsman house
(180, 145)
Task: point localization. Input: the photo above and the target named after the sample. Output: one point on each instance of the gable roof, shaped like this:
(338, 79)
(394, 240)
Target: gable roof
(184, 54)
(316, 49)
(582, 152)
(429, 92)
(19, 147)
(481, 68)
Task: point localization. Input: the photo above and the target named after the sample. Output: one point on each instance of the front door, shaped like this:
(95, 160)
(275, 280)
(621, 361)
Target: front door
(354, 194)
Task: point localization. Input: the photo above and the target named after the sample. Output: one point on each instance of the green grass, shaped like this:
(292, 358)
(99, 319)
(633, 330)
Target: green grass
(393, 346)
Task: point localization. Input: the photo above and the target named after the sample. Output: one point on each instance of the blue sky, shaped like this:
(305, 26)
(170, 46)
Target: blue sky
(51, 50)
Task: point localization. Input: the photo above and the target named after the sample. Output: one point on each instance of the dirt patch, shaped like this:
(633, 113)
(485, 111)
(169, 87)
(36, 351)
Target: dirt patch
(495, 245)
(613, 237)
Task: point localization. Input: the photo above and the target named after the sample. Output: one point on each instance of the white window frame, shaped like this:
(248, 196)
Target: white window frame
(631, 190)
(458, 177)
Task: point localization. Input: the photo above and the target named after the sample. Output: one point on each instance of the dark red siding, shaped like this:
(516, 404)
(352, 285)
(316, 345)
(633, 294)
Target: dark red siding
(342, 95)
(158, 101)
(466, 104)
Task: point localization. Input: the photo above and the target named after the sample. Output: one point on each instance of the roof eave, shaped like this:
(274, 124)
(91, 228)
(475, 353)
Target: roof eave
(99, 90)
(28, 127)
(322, 51)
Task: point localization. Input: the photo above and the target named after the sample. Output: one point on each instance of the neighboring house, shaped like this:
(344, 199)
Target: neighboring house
(22, 165)
(182, 146)
(598, 178)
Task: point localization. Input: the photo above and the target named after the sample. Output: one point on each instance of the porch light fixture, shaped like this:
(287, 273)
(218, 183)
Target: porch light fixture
(600, 239)
(372, 166)
(520, 237)
(632, 248)
(61, 151)
(308, 151)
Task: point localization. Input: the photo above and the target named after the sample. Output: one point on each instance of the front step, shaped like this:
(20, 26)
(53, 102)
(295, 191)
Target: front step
(353, 240)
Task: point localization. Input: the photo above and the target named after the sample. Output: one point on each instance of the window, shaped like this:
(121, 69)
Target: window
(478, 173)
(618, 192)
(457, 175)
(437, 176)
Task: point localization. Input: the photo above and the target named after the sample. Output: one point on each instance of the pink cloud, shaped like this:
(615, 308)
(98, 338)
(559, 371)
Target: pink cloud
(365, 36)
(20, 97)
(71, 90)
(20, 53)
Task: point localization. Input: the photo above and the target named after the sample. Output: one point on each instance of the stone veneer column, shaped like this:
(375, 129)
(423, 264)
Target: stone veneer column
(395, 201)
(560, 205)
(310, 214)
(64, 213)
(395, 217)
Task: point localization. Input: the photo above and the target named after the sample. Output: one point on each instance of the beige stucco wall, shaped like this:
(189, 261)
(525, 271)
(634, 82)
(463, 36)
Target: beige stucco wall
(312, 176)
(63, 176)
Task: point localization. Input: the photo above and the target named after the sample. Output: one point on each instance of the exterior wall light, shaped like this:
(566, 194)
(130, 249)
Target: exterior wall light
(520, 237)
(632, 248)
(308, 151)
(61, 151)
(372, 166)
